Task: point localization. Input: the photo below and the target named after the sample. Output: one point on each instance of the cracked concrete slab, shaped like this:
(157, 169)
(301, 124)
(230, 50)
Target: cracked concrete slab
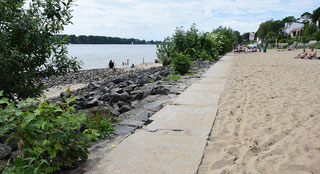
(198, 99)
(158, 152)
(195, 120)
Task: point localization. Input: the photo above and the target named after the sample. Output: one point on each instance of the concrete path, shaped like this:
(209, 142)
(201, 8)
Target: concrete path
(175, 140)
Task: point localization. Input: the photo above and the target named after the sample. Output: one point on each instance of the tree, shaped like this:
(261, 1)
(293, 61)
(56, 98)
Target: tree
(309, 30)
(28, 53)
(316, 15)
(289, 19)
(306, 13)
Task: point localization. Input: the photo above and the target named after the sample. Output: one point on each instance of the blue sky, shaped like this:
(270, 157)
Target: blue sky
(157, 19)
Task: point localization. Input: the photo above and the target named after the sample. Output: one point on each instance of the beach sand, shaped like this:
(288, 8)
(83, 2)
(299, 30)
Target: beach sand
(269, 117)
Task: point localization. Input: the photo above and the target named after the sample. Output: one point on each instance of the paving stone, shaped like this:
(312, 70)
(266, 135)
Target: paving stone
(155, 152)
(123, 130)
(154, 106)
(134, 123)
(195, 119)
(200, 87)
(198, 99)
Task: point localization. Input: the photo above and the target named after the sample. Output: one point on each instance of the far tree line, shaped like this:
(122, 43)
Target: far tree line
(83, 39)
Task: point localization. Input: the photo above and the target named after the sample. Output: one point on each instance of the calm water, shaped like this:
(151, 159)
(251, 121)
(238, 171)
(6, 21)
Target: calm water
(98, 56)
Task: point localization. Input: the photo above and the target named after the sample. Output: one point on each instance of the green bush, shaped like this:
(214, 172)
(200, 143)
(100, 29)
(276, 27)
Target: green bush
(203, 46)
(49, 135)
(290, 42)
(181, 63)
(316, 35)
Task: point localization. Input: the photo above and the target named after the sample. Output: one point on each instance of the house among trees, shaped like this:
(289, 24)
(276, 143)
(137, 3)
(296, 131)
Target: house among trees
(305, 18)
(292, 27)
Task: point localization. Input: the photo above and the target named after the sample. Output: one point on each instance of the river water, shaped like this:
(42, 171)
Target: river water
(98, 56)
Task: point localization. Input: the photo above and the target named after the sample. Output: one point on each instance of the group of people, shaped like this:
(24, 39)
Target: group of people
(245, 49)
(304, 54)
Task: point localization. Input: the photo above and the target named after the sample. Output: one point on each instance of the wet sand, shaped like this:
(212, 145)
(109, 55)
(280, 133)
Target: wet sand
(269, 117)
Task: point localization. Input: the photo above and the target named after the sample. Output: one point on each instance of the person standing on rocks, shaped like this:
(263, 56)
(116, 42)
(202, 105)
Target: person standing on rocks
(111, 66)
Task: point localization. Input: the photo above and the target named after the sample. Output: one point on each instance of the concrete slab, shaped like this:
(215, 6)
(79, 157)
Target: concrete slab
(213, 80)
(202, 87)
(198, 99)
(196, 120)
(160, 152)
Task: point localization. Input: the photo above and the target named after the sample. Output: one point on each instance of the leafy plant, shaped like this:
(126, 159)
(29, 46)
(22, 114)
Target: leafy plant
(98, 126)
(181, 63)
(165, 51)
(49, 135)
(28, 51)
(172, 77)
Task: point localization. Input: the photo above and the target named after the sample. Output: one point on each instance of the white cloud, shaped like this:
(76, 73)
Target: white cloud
(156, 19)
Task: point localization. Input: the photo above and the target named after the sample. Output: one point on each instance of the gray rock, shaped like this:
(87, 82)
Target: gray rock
(154, 106)
(122, 84)
(116, 107)
(137, 95)
(117, 90)
(133, 86)
(64, 94)
(121, 103)
(123, 130)
(106, 97)
(82, 104)
(92, 93)
(143, 116)
(77, 107)
(93, 102)
(105, 90)
(117, 80)
(94, 85)
(114, 112)
(134, 103)
(80, 98)
(5, 151)
(128, 89)
(120, 97)
(134, 123)
(124, 108)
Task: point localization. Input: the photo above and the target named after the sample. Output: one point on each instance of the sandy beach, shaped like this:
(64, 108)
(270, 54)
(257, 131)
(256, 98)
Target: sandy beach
(268, 118)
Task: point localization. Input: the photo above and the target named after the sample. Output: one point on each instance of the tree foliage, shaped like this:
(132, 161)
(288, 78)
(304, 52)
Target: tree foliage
(194, 45)
(82, 39)
(310, 29)
(27, 53)
(316, 15)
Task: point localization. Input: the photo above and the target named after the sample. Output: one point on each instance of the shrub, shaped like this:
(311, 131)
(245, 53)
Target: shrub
(165, 51)
(49, 135)
(316, 35)
(181, 63)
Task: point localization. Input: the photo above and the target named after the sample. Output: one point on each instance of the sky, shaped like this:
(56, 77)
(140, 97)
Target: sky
(157, 19)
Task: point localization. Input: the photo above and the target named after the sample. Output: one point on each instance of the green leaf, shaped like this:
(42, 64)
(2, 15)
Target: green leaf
(58, 146)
